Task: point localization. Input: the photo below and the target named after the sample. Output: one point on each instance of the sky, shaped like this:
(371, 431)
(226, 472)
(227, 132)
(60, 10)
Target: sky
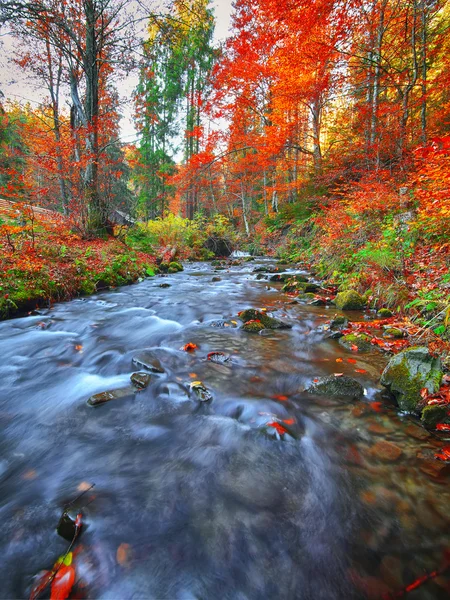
(16, 86)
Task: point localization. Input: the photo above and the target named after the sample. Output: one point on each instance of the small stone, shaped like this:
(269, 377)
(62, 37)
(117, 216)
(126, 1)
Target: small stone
(104, 397)
(148, 361)
(66, 527)
(386, 451)
(215, 279)
(378, 428)
(416, 432)
(140, 380)
(164, 285)
(361, 341)
(332, 385)
(202, 393)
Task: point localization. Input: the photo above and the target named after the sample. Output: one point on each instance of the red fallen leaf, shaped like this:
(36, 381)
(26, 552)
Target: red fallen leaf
(281, 430)
(442, 427)
(424, 393)
(446, 379)
(352, 361)
(62, 583)
(360, 371)
(280, 397)
(340, 360)
(354, 348)
(315, 380)
(190, 347)
(377, 406)
(338, 374)
(289, 421)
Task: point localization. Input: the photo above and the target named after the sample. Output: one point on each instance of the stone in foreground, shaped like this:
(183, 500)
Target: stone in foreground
(103, 397)
(140, 380)
(267, 322)
(148, 361)
(349, 300)
(408, 373)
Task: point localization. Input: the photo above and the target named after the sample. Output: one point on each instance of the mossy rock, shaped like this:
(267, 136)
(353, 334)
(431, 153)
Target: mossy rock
(361, 341)
(408, 373)
(253, 327)
(384, 313)
(393, 332)
(349, 300)
(172, 270)
(164, 267)
(343, 386)
(432, 415)
(175, 265)
(268, 322)
(338, 322)
(283, 277)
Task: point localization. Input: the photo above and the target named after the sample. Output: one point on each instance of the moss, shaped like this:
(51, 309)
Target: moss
(361, 341)
(408, 373)
(384, 313)
(268, 322)
(349, 300)
(432, 415)
(393, 332)
(176, 265)
(172, 270)
(164, 267)
(253, 326)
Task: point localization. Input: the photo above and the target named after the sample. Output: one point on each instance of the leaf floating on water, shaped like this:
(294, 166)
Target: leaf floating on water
(195, 383)
(79, 348)
(41, 584)
(377, 406)
(62, 583)
(339, 360)
(289, 421)
(280, 397)
(190, 347)
(280, 429)
(352, 361)
(123, 554)
(360, 371)
(193, 375)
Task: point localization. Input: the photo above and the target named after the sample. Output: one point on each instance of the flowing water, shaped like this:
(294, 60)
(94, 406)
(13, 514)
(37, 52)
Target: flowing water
(196, 500)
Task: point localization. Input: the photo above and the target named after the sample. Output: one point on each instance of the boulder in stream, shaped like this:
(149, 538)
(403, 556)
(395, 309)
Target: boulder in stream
(148, 361)
(361, 341)
(340, 386)
(202, 392)
(267, 322)
(349, 300)
(409, 372)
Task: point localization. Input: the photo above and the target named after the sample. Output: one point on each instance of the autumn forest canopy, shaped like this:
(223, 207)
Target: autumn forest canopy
(318, 129)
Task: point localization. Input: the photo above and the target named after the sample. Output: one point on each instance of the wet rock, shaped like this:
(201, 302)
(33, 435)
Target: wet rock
(66, 527)
(220, 324)
(384, 313)
(408, 372)
(268, 322)
(215, 279)
(394, 333)
(253, 327)
(220, 269)
(416, 432)
(163, 267)
(349, 300)
(164, 285)
(176, 266)
(140, 380)
(261, 276)
(335, 335)
(201, 392)
(337, 386)
(219, 358)
(361, 341)
(280, 277)
(386, 451)
(265, 270)
(104, 397)
(148, 361)
(339, 321)
(432, 415)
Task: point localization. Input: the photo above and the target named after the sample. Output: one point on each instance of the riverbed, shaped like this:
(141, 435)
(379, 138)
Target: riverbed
(204, 500)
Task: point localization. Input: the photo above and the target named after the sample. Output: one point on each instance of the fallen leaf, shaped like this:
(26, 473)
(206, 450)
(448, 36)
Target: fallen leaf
(352, 361)
(315, 380)
(360, 371)
(84, 486)
(289, 421)
(194, 383)
(354, 348)
(79, 348)
(280, 397)
(193, 375)
(123, 554)
(281, 430)
(62, 583)
(339, 360)
(442, 427)
(424, 392)
(189, 347)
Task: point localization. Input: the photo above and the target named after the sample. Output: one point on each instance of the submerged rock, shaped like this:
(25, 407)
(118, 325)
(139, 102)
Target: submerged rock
(349, 300)
(252, 314)
(409, 372)
(104, 397)
(333, 385)
(202, 392)
(148, 361)
(140, 380)
(219, 358)
(215, 279)
(361, 341)
(386, 451)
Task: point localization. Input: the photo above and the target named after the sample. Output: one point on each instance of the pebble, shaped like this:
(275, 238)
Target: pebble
(386, 451)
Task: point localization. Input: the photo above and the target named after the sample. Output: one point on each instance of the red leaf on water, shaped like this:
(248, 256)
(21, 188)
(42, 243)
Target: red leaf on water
(442, 427)
(315, 380)
(352, 361)
(62, 583)
(281, 430)
(289, 421)
(339, 360)
(360, 371)
(189, 347)
(280, 397)
(377, 406)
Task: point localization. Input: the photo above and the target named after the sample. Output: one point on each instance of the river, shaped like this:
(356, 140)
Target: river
(198, 500)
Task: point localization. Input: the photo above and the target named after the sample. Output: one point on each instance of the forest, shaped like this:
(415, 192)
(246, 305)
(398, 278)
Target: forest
(281, 212)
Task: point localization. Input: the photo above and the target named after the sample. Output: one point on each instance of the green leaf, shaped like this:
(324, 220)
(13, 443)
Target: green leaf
(150, 272)
(439, 330)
